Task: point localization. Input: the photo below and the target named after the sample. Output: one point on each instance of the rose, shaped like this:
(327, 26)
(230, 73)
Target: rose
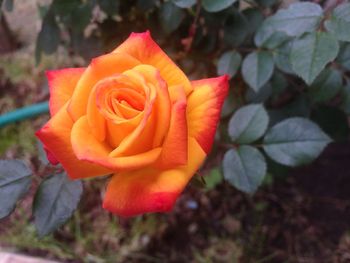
(134, 114)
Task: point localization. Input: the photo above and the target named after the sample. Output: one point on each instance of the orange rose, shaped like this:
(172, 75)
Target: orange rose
(134, 114)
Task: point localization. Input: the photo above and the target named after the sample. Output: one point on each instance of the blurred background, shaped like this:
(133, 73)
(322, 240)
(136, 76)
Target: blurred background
(297, 215)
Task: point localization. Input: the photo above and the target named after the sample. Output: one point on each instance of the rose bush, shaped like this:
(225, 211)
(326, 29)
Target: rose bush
(134, 114)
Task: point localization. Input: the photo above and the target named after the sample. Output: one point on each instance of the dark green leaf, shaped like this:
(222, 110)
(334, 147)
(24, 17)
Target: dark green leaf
(55, 201)
(231, 103)
(49, 36)
(266, 3)
(89, 47)
(15, 180)
(278, 83)
(273, 41)
(84, 13)
(64, 8)
(345, 104)
(42, 10)
(254, 19)
(244, 168)
(261, 96)
(8, 5)
(146, 5)
(110, 7)
(184, 3)
(281, 57)
(339, 22)
(171, 17)
(311, 52)
(229, 63)
(216, 5)
(299, 107)
(248, 124)
(213, 179)
(235, 28)
(295, 141)
(332, 120)
(297, 19)
(344, 56)
(326, 85)
(257, 68)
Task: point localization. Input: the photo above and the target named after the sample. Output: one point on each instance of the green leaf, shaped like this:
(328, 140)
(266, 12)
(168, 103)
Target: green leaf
(261, 96)
(278, 83)
(9, 5)
(326, 85)
(273, 41)
(170, 17)
(84, 13)
(49, 36)
(295, 141)
(235, 28)
(146, 5)
(231, 103)
(244, 168)
(184, 3)
(54, 202)
(15, 180)
(299, 107)
(266, 3)
(213, 179)
(332, 120)
(229, 63)
(64, 8)
(297, 19)
(345, 104)
(257, 68)
(311, 52)
(344, 56)
(281, 57)
(216, 5)
(109, 7)
(339, 22)
(254, 19)
(42, 10)
(248, 124)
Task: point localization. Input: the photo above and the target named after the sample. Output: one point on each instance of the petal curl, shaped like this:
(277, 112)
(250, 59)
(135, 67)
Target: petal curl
(100, 67)
(142, 47)
(88, 148)
(174, 152)
(150, 190)
(62, 83)
(55, 135)
(162, 105)
(204, 107)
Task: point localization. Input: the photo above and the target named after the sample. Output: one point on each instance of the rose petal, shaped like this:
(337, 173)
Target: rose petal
(55, 135)
(142, 47)
(174, 152)
(150, 190)
(204, 107)
(162, 105)
(62, 84)
(88, 148)
(151, 131)
(99, 68)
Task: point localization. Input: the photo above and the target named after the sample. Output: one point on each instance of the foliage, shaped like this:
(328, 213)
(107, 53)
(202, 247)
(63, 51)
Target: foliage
(289, 68)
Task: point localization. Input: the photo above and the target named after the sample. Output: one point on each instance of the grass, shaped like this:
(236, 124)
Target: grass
(18, 137)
